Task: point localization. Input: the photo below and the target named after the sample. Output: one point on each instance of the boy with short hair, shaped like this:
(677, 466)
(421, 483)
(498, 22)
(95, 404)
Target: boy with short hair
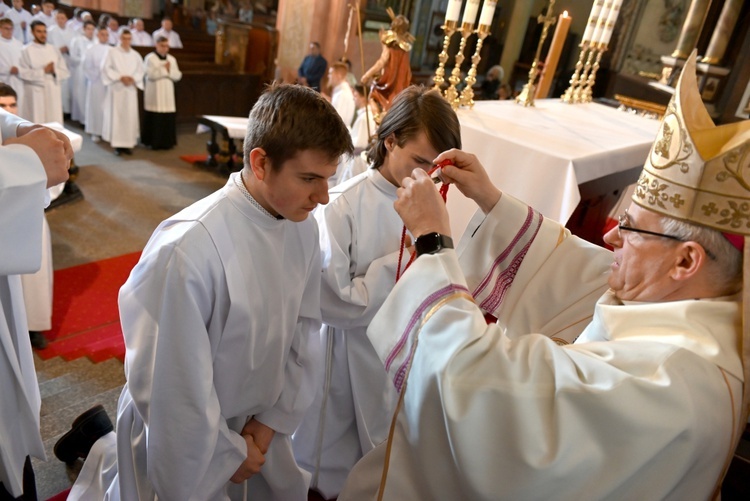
(360, 235)
(220, 319)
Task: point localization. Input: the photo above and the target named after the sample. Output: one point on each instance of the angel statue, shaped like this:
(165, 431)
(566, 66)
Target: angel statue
(392, 72)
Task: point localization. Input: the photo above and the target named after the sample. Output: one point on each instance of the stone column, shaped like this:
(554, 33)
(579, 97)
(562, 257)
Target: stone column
(723, 31)
(691, 30)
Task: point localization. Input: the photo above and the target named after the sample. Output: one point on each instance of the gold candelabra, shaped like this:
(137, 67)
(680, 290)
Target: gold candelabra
(526, 97)
(575, 80)
(449, 28)
(467, 95)
(587, 89)
(451, 93)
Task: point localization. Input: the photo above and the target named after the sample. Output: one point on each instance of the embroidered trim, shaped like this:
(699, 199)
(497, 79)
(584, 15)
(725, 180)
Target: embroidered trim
(240, 183)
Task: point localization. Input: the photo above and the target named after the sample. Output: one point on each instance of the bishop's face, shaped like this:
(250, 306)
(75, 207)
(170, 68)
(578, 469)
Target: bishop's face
(400, 161)
(297, 187)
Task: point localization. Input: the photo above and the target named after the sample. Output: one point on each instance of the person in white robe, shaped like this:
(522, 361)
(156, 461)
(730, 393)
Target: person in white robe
(160, 111)
(75, 23)
(61, 37)
(363, 128)
(220, 319)
(3, 8)
(42, 69)
(122, 73)
(21, 20)
(46, 14)
(166, 31)
(10, 54)
(78, 48)
(31, 159)
(113, 27)
(96, 89)
(646, 404)
(141, 38)
(361, 246)
(341, 93)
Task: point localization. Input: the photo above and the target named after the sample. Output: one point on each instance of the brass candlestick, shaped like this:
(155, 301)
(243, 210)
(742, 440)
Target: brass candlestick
(451, 93)
(575, 81)
(449, 28)
(467, 95)
(526, 97)
(588, 85)
(578, 91)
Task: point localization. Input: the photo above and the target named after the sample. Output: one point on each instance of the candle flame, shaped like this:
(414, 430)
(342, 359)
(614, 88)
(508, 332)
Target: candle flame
(565, 13)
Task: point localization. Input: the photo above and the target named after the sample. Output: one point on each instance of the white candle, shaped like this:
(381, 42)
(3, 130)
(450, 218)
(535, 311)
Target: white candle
(488, 10)
(454, 10)
(596, 10)
(470, 12)
(609, 26)
(601, 22)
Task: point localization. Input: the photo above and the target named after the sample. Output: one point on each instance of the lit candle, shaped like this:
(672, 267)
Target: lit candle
(596, 10)
(470, 12)
(553, 56)
(601, 22)
(454, 10)
(488, 10)
(609, 26)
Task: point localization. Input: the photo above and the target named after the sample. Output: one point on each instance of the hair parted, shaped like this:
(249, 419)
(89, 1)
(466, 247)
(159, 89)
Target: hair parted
(6, 90)
(288, 119)
(414, 110)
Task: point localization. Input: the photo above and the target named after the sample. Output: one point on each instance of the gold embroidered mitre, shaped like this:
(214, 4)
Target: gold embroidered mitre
(696, 171)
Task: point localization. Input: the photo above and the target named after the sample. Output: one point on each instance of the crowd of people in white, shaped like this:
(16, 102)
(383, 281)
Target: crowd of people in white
(59, 66)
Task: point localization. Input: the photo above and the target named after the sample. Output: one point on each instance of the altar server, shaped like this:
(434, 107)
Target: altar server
(42, 69)
(10, 54)
(21, 20)
(363, 128)
(96, 90)
(220, 318)
(166, 31)
(341, 93)
(360, 242)
(646, 404)
(61, 36)
(78, 48)
(122, 73)
(31, 159)
(160, 112)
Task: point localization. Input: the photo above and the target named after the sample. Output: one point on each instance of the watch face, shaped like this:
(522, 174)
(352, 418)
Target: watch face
(431, 243)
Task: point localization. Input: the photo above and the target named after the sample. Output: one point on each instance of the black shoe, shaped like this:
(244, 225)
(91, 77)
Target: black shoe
(86, 429)
(38, 340)
(118, 152)
(127, 151)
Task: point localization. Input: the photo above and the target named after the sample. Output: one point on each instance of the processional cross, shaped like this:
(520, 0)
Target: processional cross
(526, 97)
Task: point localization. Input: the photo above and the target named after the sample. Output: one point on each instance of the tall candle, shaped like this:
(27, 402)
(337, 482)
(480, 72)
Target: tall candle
(470, 12)
(609, 26)
(553, 56)
(596, 11)
(488, 10)
(454, 10)
(601, 22)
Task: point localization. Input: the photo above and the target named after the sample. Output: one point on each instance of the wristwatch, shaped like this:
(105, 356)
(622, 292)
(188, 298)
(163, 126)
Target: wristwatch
(430, 243)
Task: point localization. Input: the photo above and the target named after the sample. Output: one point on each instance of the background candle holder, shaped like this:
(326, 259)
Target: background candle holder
(575, 81)
(451, 93)
(449, 28)
(467, 95)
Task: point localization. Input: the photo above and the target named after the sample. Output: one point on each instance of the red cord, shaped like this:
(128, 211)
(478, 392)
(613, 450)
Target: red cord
(444, 193)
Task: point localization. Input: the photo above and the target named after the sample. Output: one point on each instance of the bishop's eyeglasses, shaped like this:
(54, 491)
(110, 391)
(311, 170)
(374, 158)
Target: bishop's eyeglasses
(623, 224)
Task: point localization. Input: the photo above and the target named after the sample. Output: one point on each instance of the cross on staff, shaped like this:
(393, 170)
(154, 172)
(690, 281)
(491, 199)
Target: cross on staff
(526, 97)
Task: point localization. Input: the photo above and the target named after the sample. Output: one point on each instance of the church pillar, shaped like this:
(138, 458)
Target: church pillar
(519, 20)
(723, 31)
(691, 30)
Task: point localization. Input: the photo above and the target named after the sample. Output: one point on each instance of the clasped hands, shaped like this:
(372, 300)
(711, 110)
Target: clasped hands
(422, 208)
(258, 438)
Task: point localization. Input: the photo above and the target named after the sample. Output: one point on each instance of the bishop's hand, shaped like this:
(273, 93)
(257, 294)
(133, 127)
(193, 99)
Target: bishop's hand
(420, 205)
(470, 177)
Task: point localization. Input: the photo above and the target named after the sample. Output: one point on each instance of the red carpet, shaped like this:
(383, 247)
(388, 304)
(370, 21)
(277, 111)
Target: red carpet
(194, 158)
(85, 318)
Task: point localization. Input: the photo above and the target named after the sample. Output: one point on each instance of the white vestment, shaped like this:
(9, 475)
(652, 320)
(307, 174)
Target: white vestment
(360, 239)
(640, 407)
(37, 287)
(19, 17)
(141, 39)
(78, 47)
(3, 8)
(356, 164)
(342, 100)
(158, 95)
(121, 125)
(173, 38)
(10, 54)
(42, 94)
(60, 38)
(22, 194)
(220, 319)
(96, 90)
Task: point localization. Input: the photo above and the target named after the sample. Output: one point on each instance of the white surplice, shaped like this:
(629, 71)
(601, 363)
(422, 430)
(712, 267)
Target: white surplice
(42, 93)
(78, 47)
(640, 407)
(96, 90)
(141, 39)
(158, 95)
(10, 54)
(121, 127)
(357, 163)
(173, 38)
(360, 237)
(19, 17)
(62, 37)
(342, 100)
(220, 319)
(22, 194)
(37, 287)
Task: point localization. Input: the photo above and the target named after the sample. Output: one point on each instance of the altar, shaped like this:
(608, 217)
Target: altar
(543, 155)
